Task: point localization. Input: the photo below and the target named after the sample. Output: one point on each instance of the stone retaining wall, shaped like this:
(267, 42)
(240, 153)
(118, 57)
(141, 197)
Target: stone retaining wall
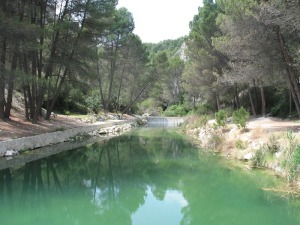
(42, 140)
(47, 151)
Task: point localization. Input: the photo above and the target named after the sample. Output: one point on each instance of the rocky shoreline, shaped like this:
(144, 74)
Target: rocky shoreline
(278, 151)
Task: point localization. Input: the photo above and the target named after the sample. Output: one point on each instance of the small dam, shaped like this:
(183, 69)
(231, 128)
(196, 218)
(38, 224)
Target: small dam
(156, 121)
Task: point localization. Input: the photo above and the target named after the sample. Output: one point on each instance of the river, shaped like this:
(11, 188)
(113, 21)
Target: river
(146, 177)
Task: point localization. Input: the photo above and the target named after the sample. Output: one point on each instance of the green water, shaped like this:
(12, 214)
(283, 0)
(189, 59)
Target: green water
(149, 177)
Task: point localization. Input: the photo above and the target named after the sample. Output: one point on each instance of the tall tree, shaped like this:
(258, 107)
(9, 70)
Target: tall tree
(207, 62)
(112, 41)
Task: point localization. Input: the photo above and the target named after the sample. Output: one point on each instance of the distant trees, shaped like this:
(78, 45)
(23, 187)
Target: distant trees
(238, 47)
(167, 60)
(238, 53)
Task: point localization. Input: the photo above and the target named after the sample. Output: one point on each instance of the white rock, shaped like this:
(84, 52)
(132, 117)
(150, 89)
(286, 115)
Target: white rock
(10, 153)
(248, 156)
(278, 169)
(278, 154)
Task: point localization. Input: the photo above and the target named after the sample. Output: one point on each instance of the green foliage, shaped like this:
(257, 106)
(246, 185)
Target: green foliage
(171, 47)
(93, 101)
(290, 136)
(272, 146)
(279, 98)
(296, 156)
(216, 141)
(175, 110)
(204, 108)
(239, 144)
(240, 117)
(259, 158)
(151, 106)
(202, 121)
(292, 163)
(237, 8)
(221, 118)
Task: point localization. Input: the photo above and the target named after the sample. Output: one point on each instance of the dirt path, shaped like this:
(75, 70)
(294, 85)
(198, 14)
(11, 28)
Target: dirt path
(17, 126)
(274, 124)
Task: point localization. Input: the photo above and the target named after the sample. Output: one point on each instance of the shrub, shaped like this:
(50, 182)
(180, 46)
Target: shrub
(221, 118)
(239, 144)
(93, 102)
(175, 110)
(240, 117)
(259, 158)
(272, 146)
(150, 106)
(293, 162)
(215, 142)
(204, 108)
(202, 121)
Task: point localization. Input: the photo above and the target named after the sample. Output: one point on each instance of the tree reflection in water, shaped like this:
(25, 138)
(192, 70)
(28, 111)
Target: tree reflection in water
(114, 182)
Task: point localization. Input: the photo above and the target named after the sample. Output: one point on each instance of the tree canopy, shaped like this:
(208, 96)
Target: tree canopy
(82, 56)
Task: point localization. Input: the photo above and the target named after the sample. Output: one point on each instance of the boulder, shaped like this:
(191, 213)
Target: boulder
(10, 153)
(248, 156)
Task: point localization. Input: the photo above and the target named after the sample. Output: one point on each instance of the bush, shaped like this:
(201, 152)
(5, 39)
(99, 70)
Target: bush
(259, 158)
(239, 144)
(221, 118)
(240, 117)
(216, 142)
(93, 102)
(272, 146)
(150, 106)
(280, 109)
(175, 110)
(204, 108)
(293, 163)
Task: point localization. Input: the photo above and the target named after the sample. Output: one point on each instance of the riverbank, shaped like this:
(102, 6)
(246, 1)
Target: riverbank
(57, 130)
(269, 143)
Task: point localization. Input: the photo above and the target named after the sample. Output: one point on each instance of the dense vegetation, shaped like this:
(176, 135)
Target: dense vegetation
(82, 56)
(245, 53)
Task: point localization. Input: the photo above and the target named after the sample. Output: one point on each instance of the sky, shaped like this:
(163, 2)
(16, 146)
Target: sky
(158, 20)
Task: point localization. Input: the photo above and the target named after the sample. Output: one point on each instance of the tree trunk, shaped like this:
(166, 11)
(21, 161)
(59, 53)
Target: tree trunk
(111, 79)
(236, 94)
(33, 89)
(2, 77)
(100, 87)
(289, 64)
(256, 98)
(120, 87)
(263, 100)
(290, 103)
(292, 91)
(70, 57)
(10, 87)
(218, 101)
(56, 93)
(26, 103)
(137, 97)
(194, 102)
(251, 102)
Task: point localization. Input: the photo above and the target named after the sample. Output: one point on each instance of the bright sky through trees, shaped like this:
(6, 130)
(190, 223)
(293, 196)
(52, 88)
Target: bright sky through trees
(157, 20)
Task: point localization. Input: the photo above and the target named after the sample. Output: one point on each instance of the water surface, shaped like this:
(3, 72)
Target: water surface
(148, 177)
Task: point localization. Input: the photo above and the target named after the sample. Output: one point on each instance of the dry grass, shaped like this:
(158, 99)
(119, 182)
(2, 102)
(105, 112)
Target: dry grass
(257, 132)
